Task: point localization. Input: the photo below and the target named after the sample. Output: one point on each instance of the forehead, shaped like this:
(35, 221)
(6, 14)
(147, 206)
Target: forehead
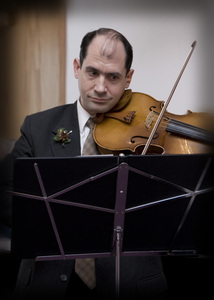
(106, 50)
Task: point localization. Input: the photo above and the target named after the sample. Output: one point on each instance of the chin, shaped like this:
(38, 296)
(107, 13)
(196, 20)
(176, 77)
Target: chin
(100, 109)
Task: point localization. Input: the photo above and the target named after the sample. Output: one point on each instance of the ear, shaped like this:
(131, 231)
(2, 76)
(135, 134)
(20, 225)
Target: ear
(76, 65)
(129, 77)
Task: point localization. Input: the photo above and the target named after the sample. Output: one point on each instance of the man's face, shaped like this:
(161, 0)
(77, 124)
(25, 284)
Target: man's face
(102, 78)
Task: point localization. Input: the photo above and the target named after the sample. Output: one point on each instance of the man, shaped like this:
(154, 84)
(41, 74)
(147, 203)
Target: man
(103, 72)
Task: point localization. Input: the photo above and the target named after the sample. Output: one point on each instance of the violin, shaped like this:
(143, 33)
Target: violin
(140, 124)
(176, 134)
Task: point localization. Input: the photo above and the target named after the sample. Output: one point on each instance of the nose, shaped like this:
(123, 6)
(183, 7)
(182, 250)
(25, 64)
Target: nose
(100, 85)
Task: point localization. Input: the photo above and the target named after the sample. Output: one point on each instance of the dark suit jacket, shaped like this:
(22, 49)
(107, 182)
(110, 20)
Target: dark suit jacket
(140, 276)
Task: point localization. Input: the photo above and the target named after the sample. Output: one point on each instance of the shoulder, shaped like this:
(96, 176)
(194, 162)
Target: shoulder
(51, 116)
(49, 119)
(55, 111)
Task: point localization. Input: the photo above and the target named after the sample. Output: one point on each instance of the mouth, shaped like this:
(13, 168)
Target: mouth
(99, 100)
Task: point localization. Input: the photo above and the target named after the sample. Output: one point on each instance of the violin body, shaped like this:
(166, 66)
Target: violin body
(176, 134)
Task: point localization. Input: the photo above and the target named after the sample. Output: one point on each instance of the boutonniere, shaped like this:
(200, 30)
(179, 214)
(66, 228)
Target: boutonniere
(62, 136)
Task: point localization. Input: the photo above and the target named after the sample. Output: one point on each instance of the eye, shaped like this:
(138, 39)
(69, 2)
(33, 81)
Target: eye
(113, 77)
(92, 73)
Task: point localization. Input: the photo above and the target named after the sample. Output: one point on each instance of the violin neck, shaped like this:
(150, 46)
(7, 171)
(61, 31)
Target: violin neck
(189, 131)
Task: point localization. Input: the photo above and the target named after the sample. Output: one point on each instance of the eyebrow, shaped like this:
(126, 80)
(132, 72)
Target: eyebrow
(92, 69)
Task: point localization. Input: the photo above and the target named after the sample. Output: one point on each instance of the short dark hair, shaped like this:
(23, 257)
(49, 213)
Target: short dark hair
(87, 39)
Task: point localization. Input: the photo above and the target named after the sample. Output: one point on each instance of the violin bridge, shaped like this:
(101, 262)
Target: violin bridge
(149, 120)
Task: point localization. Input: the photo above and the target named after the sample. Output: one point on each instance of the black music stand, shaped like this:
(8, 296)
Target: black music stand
(105, 205)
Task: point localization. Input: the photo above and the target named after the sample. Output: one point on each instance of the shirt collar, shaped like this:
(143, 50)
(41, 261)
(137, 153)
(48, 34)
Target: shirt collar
(83, 116)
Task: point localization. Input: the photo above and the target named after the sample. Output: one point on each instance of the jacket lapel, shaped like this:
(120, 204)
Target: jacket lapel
(69, 121)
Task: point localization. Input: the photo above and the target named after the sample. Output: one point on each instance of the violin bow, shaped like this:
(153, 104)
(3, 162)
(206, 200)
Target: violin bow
(168, 100)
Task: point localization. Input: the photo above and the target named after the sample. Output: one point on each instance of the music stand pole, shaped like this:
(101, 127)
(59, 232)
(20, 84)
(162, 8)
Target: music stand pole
(117, 262)
(120, 206)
